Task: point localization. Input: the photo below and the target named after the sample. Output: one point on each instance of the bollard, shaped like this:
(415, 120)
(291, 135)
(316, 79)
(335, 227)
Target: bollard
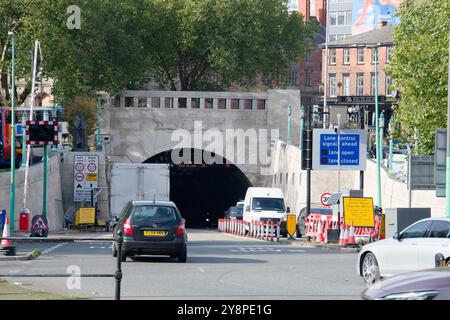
(118, 274)
(272, 230)
(278, 231)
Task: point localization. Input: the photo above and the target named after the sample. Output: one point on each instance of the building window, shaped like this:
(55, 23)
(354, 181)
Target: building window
(388, 86)
(346, 55)
(388, 54)
(292, 5)
(332, 85)
(308, 78)
(373, 85)
(359, 84)
(373, 56)
(312, 7)
(332, 56)
(333, 18)
(346, 84)
(309, 56)
(360, 55)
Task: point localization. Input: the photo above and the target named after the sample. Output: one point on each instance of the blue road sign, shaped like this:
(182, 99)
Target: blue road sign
(352, 150)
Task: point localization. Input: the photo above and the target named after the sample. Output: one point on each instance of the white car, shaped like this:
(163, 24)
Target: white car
(412, 249)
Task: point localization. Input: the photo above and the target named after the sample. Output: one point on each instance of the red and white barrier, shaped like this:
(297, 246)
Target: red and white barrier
(264, 230)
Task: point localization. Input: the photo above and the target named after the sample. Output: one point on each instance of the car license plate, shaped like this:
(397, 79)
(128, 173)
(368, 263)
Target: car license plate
(155, 233)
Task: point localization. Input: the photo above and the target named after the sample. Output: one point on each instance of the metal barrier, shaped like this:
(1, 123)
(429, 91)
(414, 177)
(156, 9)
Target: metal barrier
(264, 230)
(117, 275)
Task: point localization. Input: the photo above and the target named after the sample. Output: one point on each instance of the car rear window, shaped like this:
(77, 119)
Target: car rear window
(150, 213)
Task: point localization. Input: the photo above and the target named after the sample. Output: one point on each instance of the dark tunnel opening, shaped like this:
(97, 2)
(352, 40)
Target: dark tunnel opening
(203, 191)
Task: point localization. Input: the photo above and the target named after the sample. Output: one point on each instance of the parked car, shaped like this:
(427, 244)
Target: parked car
(234, 213)
(151, 228)
(301, 219)
(433, 284)
(412, 249)
(240, 204)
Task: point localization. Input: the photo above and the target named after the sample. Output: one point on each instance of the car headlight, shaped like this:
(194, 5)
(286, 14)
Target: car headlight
(414, 295)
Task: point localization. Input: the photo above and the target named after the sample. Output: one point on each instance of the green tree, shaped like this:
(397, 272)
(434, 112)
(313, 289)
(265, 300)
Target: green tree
(124, 44)
(229, 40)
(419, 70)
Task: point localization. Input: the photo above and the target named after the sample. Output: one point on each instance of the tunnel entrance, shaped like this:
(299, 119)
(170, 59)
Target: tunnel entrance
(203, 191)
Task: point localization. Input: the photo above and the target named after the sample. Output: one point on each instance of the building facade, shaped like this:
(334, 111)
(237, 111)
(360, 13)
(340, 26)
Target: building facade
(351, 77)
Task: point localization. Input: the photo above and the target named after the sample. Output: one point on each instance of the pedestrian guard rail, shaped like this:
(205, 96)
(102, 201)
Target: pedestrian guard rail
(117, 275)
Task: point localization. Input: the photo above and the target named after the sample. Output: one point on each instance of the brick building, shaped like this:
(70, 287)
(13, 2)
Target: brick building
(351, 75)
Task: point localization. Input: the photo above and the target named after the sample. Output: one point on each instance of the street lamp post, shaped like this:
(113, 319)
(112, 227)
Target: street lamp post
(382, 124)
(289, 140)
(377, 128)
(302, 124)
(13, 134)
(447, 171)
(391, 142)
(98, 147)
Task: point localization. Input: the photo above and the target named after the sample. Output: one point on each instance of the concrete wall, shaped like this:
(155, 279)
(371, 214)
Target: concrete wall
(141, 124)
(395, 193)
(286, 174)
(55, 213)
(67, 183)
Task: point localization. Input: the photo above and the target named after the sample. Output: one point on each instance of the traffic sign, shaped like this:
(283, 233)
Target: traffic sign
(358, 212)
(39, 223)
(291, 224)
(350, 152)
(85, 177)
(325, 199)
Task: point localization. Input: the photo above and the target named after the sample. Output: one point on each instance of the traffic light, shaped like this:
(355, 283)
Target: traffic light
(307, 150)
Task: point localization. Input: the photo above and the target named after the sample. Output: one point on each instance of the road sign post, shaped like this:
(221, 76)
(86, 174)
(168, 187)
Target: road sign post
(85, 177)
(13, 136)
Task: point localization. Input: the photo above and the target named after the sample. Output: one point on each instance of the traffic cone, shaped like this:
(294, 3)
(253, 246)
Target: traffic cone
(341, 236)
(345, 235)
(319, 230)
(7, 247)
(351, 236)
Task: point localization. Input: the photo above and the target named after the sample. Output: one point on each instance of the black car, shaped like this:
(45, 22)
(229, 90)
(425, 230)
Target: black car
(151, 228)
(234, 213)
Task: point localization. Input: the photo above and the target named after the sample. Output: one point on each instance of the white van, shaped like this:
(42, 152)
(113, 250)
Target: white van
(263, 204)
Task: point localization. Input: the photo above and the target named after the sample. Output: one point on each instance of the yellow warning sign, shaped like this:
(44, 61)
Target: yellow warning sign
(86, 216)
(291, 224)
(91, 177)
(359, 212)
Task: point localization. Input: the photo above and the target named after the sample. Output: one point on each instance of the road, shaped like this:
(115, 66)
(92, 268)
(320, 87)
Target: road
(220, 266)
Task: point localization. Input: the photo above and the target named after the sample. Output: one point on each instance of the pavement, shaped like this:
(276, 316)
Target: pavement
(14, 291)
(219, 266)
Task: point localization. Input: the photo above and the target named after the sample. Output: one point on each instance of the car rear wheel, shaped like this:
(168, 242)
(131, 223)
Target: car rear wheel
(182, 257)
(369, 269)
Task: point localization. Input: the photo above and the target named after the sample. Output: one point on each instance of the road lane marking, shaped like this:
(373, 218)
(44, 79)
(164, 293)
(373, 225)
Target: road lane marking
(46, 251)
(269, 250)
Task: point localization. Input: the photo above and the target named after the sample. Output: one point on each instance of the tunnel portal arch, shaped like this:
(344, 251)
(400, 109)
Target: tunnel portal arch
(201, 191)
